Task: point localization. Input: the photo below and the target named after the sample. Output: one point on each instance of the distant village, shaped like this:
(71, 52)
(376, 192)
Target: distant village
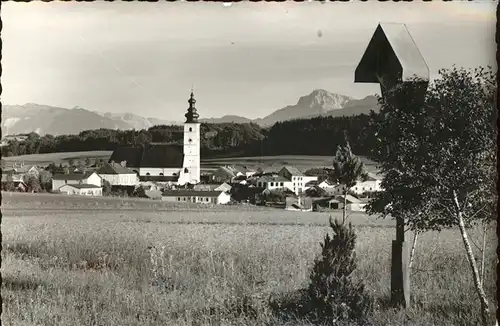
(172, 173)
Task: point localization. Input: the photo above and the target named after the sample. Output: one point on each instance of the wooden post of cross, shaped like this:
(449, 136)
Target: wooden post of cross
(392, 59)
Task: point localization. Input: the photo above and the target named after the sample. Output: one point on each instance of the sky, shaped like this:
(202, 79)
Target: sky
(246, 59)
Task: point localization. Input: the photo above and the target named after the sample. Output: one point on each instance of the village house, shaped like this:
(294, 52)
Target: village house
(81, 189)
(16, 181)
(231, 174)
(371, 184)
(213, 187)
(89, 178)
(224, 174)
(243, 170)
(197, 196)
(165, 162)
(25, 171)
(117, 175)
(297, 178)
(274, 182)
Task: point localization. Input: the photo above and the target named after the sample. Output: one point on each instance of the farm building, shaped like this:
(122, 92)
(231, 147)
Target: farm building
(117, 175)
(197, 196)
(337, 202)
(89, 178)
(81, 189)
(178, 164)
(299, 203)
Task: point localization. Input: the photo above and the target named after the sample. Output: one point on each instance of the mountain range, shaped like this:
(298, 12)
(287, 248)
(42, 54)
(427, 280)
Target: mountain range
(318, 103)
(44, 119)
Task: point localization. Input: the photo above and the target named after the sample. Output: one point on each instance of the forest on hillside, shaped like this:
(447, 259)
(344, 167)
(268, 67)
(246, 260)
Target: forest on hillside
(316, 136)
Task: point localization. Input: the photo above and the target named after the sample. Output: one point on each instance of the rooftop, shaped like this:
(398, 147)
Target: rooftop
(293, 170)
(113, 168)
(82, 186)
(272, 178)
(155, 155)
(72, 176)
(191, 193)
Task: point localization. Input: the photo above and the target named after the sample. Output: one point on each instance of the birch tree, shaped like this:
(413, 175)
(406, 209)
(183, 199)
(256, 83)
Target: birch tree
(440, 169)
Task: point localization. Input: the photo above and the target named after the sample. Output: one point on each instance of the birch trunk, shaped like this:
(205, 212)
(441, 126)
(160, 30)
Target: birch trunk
(472, 262)
(345, 207)
(483, 253)
(413, 247)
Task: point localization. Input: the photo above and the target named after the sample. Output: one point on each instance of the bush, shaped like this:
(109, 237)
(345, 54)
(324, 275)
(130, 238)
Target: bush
(332, 292)
(139, 192)
(8, 186)
(332, 296)
(106, 188)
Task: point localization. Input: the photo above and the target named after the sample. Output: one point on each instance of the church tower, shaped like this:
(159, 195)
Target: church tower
(191, 167)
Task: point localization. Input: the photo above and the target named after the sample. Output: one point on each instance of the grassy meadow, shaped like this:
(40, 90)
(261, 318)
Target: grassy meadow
(108, 261)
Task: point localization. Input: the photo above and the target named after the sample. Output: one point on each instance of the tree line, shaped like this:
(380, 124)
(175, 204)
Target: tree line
(300, 137)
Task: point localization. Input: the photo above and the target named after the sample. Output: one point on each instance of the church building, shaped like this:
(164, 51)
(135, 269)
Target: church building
(164, 162)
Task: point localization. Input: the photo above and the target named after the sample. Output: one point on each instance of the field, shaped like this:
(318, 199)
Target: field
(57, 158)
(302, 162)
(88, 261)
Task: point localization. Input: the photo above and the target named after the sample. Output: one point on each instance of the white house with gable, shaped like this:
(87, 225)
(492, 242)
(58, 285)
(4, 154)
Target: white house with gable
(298, 179)
(371, 184)
(81, 190)
(89, 178)
(117, 175)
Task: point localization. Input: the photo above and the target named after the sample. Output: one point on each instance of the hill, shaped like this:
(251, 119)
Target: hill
(45, 119)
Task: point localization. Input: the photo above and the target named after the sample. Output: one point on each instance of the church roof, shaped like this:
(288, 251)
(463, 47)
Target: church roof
(162, 156)
(153, 156)
(132, 155)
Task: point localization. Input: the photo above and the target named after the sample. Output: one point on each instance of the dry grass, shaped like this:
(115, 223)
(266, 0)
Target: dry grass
(90, 265)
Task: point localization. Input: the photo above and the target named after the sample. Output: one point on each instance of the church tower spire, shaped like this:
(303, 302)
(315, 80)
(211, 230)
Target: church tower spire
(190, 172)
(191, 115)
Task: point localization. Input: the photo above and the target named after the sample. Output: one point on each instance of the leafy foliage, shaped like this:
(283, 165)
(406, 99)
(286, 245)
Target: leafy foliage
(139, 192)
(106, 188)
(439, 157)
(33, 184)
(432, 149)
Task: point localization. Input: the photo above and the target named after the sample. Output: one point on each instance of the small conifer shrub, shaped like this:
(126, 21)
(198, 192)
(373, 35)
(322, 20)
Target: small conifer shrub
(332, 294)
